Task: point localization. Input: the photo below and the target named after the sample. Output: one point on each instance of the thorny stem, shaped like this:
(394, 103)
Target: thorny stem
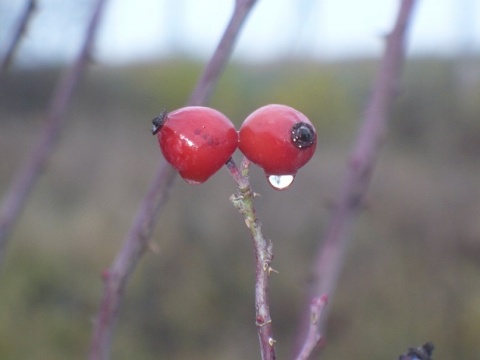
(243, 200)
(19, 32)
(330, 256)
(26, 175)
(136, 240)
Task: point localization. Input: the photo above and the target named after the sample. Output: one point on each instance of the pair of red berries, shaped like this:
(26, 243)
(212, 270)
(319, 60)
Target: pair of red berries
(198, 141)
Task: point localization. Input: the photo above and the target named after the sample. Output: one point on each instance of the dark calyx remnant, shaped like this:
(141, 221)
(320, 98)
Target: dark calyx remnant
(421, 353)
(303, 135)
(158, 121)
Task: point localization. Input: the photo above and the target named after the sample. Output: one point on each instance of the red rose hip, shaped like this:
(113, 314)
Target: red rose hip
(280, 140)
(197, 141)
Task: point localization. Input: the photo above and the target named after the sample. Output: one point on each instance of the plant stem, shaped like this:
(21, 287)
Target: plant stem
(136, 240)
(17, 36)
(205, 86)
(313, 338)
(116, 277)
(329, 261)
(244, 202)
(29, 171)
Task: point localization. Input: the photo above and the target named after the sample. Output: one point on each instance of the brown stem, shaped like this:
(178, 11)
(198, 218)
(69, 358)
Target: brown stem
(313, 338)
(133, 248)
(136, 240)
(330, 256)
(244, 202)
(26, 175)
(204, 89)
(17, 36)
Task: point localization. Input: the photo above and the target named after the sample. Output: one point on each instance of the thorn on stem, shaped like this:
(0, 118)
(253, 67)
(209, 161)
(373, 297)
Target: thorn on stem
(271, 341)
(270, 270)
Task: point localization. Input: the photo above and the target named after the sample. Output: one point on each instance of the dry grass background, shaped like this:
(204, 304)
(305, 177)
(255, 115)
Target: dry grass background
(412, 273)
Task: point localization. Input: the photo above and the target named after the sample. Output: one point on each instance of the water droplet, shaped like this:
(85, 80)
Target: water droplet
(280, 182)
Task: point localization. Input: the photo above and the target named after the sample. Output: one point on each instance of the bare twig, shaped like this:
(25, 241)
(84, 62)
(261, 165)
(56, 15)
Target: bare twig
(25, 177)
(133, 248)
(244, 202)
(136, 240)
(313, 338)
(330, 256)
(17, 36)
(204, 89)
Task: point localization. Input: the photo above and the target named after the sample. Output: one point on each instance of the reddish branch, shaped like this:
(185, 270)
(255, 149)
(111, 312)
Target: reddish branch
(313, 338)
(206, 84)
(133, 248)
(136, 241)
(244, 202)
(329, 260)
(26, 175)
(17, 36)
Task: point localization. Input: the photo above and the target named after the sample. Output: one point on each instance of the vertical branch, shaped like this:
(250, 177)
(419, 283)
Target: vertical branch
(244, 202)
(136, 240)
(204, 89)
(19, 32)
(313, 337)
(133, 248)
(28, 172)
(362, 160)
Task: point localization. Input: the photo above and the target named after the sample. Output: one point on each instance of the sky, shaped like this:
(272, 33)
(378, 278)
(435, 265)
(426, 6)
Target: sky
(143, 30)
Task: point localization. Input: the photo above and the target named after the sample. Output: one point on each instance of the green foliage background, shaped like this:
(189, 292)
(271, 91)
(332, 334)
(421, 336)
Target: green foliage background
(412, 273)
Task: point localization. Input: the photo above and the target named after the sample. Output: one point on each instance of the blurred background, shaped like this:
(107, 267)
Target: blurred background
(413, 271)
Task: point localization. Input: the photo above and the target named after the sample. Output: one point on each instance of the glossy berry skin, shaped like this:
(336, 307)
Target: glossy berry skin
(278, 138)
(195, 140)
